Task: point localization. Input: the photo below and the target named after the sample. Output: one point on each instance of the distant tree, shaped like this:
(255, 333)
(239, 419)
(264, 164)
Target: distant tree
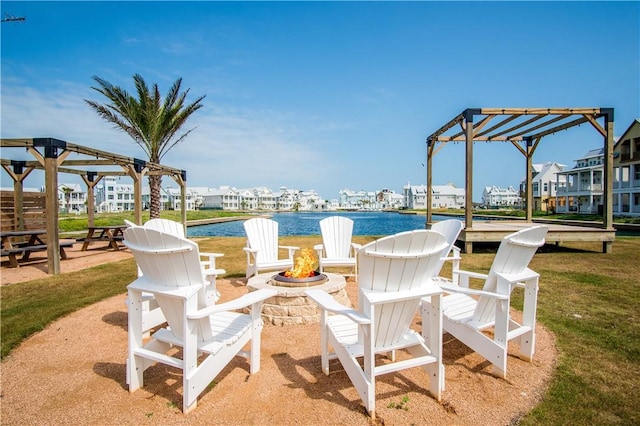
(152, 123)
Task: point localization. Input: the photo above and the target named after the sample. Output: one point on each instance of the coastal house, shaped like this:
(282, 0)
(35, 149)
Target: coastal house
(583, 191)
(544, 185)
(114, 196)
(388, 199)
(222, 198)
(626, 172)
(265, 198)
(357, 200)
(494, 197)
(442, 196)
(309, 200)
(286, 198)
(71, 198)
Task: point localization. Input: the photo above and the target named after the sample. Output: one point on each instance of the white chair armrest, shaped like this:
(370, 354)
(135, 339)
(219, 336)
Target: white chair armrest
(183, 292)
(239, 303)
(452, 288)
(473, 274)
(328, 303)
(211, 255)
(376, 297)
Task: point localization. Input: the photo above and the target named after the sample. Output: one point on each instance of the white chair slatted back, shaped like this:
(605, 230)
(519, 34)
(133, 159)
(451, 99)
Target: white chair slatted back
(168, 261)
(336, 236)
(165, 225)
(262, 235)
(451, 229)
(513, 257)
(409, 264)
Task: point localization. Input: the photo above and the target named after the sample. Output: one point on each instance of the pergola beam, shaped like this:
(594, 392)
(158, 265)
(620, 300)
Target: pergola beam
(52, 156)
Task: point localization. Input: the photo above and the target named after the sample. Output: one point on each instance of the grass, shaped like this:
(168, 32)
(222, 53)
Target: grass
(589, 300)
(76, 223)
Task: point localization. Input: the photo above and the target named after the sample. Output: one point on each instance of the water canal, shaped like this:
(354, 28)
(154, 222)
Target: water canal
(307, 223)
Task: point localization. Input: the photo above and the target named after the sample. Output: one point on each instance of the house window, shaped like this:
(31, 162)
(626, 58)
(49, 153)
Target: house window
(546, 187)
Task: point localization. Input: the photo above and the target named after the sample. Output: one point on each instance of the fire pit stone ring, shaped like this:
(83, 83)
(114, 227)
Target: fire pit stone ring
(291, 305)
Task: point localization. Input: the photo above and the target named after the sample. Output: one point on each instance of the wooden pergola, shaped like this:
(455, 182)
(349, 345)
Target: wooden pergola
(55, 156)
(524, 128)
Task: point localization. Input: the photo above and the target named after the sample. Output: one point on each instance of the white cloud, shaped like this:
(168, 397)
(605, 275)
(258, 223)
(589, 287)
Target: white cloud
(241, 148)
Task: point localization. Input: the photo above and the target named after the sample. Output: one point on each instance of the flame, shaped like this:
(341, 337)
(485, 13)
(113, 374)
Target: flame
(305, 265)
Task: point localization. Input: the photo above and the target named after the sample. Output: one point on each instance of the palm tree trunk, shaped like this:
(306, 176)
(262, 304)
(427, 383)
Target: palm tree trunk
(154, 187)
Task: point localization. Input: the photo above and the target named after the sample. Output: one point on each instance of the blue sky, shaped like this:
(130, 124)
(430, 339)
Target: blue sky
(322, 95)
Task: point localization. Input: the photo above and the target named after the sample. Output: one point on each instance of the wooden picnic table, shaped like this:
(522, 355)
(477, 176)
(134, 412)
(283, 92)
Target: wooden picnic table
(23, 243)
(109, 234)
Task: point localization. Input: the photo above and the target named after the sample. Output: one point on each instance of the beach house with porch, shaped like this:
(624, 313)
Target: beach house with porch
(442, 196)
(544, 183)
(494, 197)
(626, 172)
(583, 190)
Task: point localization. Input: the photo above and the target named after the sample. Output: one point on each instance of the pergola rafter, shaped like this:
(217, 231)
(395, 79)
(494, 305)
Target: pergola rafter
(524, 128)
(52, 156)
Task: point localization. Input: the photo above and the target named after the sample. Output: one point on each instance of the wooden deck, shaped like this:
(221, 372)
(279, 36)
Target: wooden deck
(496, 230)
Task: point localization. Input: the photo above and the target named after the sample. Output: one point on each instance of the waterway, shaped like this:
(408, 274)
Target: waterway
(307, 223)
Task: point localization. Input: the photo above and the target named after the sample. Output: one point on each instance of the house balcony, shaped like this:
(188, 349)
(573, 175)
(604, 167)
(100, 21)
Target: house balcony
(582, 188)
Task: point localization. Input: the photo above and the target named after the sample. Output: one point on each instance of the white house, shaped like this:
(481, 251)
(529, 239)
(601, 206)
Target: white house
(583, 191)
(388, 199)
(265, 198)
(113, 196)
(72, 198)
(223, 198)
(496, 197)
(626, 170)
(361, 200)
(544, 185)
(442, 196)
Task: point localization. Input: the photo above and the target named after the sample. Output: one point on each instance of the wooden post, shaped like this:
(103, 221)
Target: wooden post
(18, 205)
(529, 180)
(430, 144)
(91, 182)
(50, 160)
(139, 167)
(468, 185)
(608, 176)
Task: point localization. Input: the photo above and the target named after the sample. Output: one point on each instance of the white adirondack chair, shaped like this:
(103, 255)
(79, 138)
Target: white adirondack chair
(262, 247)
(210, 336)
(451, 229)
(394, 275)
(468, 312)
(337, 249)
(207, 260)
(152, 314)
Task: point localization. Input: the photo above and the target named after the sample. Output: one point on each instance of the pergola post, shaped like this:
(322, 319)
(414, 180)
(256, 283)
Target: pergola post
(138, 166)
(430, 144)
(183, 199)
(18, 192)
(529, 180)
(468, 181)
(607, 219)
(51, 147)
(90, 181)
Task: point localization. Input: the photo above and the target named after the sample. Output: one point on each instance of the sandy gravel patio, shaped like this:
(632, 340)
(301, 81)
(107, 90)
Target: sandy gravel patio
(73, 372)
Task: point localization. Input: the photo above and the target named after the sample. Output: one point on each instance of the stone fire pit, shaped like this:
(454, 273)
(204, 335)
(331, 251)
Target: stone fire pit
(291, 305)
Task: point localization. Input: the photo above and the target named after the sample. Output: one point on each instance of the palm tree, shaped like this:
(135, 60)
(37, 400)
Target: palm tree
(151, 122)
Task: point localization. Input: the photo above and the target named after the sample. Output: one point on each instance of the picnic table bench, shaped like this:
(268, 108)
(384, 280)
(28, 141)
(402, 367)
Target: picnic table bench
(12, 249)
(112, 235)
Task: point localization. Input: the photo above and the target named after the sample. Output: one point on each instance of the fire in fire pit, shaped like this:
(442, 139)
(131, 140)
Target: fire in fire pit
(305, 265)
(303, 273)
